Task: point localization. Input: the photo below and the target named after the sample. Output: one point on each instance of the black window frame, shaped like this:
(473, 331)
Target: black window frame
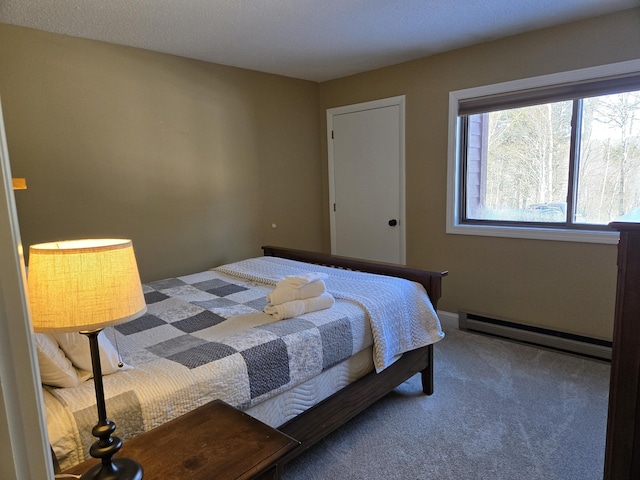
(570, 91)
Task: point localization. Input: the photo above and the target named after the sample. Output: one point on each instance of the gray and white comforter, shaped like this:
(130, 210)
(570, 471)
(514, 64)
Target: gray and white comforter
(205, 336)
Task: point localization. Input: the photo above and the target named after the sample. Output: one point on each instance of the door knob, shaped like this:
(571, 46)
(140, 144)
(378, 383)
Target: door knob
(393, 222)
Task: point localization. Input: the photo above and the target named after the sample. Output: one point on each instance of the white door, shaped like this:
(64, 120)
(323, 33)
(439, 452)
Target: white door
(366, 180)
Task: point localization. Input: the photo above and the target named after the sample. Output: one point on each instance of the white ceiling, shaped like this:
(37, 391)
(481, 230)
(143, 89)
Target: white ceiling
(309, 39)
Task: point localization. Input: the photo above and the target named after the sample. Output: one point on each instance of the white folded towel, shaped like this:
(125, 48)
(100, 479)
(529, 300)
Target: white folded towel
(299, 307)
(298, 281)
(288, 293)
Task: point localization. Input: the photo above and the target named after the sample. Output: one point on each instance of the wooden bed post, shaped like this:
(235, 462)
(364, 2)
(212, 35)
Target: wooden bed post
(427, 373)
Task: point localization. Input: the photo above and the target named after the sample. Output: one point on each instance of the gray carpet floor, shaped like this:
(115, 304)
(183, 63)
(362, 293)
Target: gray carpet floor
(501, 410)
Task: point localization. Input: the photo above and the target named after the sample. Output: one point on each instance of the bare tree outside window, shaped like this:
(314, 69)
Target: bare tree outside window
(519, 166)
(609, 177)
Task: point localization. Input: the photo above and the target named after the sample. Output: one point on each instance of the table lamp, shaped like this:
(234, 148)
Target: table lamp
(84, 286)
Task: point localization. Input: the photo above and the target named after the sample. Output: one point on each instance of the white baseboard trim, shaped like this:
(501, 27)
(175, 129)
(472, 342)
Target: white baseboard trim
(448, 319)
(542, 337)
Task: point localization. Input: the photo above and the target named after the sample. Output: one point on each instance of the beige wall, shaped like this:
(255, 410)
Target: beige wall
(191, 160)
(569, 286)
(195, 161)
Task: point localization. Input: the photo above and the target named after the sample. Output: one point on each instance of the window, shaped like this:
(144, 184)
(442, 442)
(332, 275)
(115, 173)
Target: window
(556, 157)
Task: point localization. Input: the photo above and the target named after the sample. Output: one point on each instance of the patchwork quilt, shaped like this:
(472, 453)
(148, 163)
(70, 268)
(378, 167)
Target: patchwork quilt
(205, 336)
(400, 313)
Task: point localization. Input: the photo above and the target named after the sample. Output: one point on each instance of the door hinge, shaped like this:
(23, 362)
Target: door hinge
(334, 207)
(331, 134)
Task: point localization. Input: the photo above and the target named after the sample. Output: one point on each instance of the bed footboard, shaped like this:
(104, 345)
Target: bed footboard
(317, 422)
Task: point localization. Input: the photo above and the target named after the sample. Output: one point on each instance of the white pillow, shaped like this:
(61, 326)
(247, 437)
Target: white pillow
(55, 368)
(76, 347)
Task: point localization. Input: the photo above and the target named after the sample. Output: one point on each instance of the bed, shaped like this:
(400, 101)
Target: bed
(205, 336)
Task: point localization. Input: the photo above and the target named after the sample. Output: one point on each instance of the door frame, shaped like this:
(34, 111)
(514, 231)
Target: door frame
(358, 107)
(22, 420)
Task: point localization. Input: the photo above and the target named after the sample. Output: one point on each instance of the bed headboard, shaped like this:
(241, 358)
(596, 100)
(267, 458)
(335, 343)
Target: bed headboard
(430, 280)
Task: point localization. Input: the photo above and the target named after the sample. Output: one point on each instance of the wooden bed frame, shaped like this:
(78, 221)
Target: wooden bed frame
(320, 420)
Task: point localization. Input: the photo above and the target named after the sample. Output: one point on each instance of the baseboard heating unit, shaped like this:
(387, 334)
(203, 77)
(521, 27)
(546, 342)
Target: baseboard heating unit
(566, 342)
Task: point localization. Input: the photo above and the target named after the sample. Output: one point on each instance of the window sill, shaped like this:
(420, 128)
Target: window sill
(530, 233)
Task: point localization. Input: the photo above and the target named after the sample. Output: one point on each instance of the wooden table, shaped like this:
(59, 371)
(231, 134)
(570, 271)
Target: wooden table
(215, 441)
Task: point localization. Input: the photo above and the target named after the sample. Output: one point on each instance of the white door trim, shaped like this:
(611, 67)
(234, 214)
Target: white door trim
(22, 421)
(381, 103)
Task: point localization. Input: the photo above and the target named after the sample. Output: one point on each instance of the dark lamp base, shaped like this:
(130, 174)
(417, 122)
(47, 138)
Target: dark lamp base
(117, 469)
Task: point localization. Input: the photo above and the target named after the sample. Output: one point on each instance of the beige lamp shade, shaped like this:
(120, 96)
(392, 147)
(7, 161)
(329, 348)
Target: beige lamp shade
(83, 285)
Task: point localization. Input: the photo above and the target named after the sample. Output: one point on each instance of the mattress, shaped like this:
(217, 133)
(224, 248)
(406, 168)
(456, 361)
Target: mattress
(285, 406)
(274, 412)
